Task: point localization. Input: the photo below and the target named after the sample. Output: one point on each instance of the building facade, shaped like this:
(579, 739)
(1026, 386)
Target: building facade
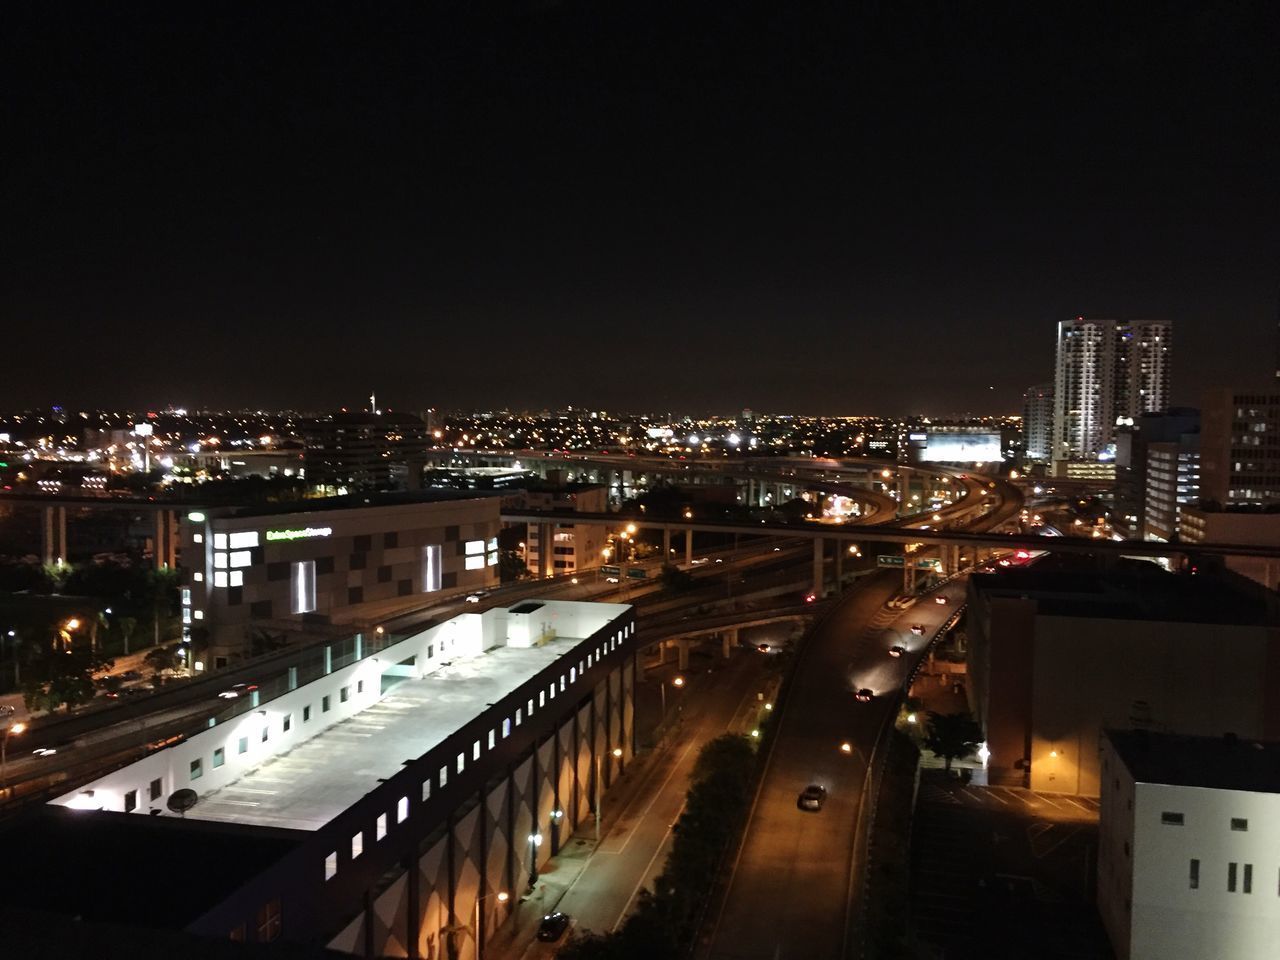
(1171, 482)
(1246, 526)
(572, 546)
(365, 451)
(1106, 370)
(1037, 422)
(1240, 448)
(381, 803)
(1189, 846)
(248, 568)
(1057, 656)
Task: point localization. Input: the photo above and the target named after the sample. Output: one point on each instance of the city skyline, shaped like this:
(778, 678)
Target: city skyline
(827, 210)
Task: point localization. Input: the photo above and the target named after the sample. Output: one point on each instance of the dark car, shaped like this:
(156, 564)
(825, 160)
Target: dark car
(812, 797)
(864, 695)
(130, 675)
(897, 651)
(918, 629)
(553, 926)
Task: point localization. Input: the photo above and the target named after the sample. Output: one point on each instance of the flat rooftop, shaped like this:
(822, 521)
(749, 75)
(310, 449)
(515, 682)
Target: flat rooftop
(1132, 591)
(1222, 763)
(311, 784)
(352, 501)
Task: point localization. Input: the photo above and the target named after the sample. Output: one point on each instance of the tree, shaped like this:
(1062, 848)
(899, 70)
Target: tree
(511, 567)
(162, 659)
(952, 735)
(60, 673)
(127, 625)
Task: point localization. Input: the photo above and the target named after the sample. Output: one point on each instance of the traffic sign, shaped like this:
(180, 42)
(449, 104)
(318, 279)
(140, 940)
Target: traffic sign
(611, 571)
(637, 573)
(890, 560)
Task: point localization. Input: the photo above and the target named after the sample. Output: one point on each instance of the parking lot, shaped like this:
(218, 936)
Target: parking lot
(1004, 872)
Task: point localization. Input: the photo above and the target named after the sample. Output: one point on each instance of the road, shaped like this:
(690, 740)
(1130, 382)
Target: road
(790, 890)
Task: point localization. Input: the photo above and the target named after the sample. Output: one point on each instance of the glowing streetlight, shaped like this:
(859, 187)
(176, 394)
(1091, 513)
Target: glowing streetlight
(846, 747)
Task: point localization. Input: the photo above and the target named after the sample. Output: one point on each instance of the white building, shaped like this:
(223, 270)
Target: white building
(1106, 370)
(1189, 847)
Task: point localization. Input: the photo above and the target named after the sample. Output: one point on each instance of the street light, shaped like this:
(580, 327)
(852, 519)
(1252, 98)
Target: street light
(502, 897)
(676, 682)
(535, 841)
(9, 731)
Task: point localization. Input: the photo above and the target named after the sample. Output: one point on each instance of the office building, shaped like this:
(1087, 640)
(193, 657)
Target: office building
(377, 796)
(1106, 371)
(1172, 483)
(1037, 421)
(1246, 526)
(358, 451)
(1240, 448)
(573, 547)
(1056, 655)
(1176, 470)
(282, 566)
(1189, 846)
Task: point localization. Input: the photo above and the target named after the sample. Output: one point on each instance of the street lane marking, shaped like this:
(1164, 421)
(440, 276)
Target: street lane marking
(649, 866)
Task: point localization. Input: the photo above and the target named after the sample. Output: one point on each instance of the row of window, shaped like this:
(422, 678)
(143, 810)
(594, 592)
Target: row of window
(1174, 819)
(195, 769)
(1239, 877)
(460, 762)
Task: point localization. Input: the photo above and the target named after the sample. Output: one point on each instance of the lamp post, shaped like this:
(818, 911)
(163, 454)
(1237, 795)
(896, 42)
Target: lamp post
(535, 841)
(9, 731)
(676, 682)
(617, 753)
(502, 897)
(557, 816)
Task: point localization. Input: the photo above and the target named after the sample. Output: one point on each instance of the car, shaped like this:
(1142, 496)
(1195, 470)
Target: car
(810, 597)
(763, 647)
(941, 600)
(777, 549)
(918, 629)
(553, 926)
(719, 560)
(129, 676)
(477, 596)
(44, 751)
(610, 579)
(864, 695)
(812, 797)
(238, 690)
(897, 651)
(698, 561)
(7, 710)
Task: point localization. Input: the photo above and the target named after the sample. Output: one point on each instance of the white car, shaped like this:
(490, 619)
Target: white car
(476, 597)
(610, 579)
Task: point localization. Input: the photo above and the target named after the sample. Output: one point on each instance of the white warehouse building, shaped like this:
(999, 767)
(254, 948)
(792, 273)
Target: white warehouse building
(1189, 846)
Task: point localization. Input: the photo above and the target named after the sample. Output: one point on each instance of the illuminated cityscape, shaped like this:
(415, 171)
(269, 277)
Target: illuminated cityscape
(501, 482)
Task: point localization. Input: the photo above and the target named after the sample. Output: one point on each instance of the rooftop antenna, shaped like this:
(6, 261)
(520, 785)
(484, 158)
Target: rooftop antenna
(373, 402)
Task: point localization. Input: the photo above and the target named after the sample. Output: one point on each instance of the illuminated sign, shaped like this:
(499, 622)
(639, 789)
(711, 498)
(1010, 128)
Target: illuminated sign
(946, 447)
(301, 533)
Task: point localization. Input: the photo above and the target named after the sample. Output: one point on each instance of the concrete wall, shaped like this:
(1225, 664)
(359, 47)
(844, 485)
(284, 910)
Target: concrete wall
(1195, 678)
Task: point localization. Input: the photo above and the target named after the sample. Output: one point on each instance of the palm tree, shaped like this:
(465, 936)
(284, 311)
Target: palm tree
(952, 735)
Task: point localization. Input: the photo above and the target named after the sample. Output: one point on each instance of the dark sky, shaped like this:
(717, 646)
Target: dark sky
(792, 207)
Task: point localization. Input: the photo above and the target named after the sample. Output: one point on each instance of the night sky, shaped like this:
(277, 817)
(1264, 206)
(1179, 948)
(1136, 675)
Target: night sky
(795, 208)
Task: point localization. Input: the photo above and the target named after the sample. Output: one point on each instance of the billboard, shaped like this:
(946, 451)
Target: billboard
(943, 446)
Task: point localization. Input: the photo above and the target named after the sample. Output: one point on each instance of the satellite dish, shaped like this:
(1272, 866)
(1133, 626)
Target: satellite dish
(180, 801)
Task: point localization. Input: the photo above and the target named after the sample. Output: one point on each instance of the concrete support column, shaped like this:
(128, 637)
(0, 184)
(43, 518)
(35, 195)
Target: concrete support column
(728, 640)
(818, 543)
(682, 648)
(666, 545)
(840, 548)
(546, 549)
(46, 534)
(688, 545)
(157, 552)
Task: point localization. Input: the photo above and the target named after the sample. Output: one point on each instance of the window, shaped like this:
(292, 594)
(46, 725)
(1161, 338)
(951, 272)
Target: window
(462, 762)
(426, 789)
(219, 757)
(380, 827)
(573, 674)
(432, 568)
(241, 558)
(474, 547)
(343, 694)
(542, 700)
(236, 578)
(197, 769)
(303, 587)
(402, 809)
(1239, 823)
(1231, 877)
(330, 866)
(219, 541)
(306, 713)
(1172, 819)
(288, 722)
(493, 738)
(219, 579)
(243, 540)
(324, 704)
(243, 746)
(157, 788)
(474, 563)
(1247, 886)
(531, 706)
(444, 776)
(220, 561)
(266, 733)
(359, 686)
(1195, 875)
(357, 844)
(519, 716)
(506, 727)
(131, 801)
(269, 921)
(475, 750)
